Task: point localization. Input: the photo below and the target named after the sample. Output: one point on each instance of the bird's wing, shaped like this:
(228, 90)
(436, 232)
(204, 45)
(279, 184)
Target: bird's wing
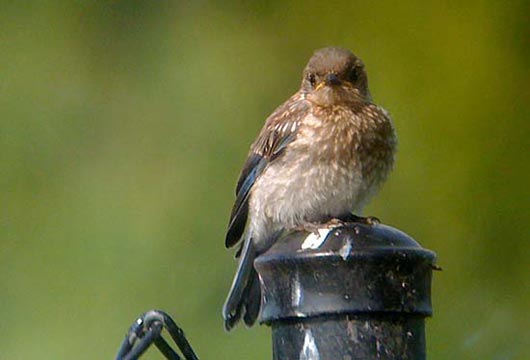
(279, 130)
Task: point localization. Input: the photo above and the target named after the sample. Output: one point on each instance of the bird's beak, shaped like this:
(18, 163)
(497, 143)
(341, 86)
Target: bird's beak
(332, 79)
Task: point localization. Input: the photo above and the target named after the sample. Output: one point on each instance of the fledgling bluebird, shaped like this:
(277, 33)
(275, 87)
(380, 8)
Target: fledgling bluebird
(320, 156)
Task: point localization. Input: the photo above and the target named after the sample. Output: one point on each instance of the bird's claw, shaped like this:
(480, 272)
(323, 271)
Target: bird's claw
(369, 220)
(335, 222)
(436, 267)
(309, 227)
(315, 227)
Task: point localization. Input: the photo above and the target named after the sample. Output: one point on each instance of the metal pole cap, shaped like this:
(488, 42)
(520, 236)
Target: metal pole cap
(350, 269)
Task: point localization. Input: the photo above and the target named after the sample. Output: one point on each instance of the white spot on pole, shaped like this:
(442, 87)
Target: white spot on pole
(314, 241)
(296, 292)
(345, 250)
(309, 350)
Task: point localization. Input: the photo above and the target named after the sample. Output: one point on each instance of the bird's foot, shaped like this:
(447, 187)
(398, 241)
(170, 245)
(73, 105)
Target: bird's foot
(315, 227)
(309, 227)
(436, 267)
(369, 220)
(334, 222)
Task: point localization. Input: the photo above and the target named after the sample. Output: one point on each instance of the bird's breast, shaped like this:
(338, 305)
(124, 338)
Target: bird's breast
(322, 173)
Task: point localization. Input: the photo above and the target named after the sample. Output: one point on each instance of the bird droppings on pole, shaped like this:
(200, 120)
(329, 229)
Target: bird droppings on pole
(364, 293)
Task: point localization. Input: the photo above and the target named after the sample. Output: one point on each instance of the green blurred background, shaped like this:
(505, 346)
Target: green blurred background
(124, 125)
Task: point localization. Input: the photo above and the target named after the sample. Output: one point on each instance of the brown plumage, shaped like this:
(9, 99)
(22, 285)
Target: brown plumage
(320, 155)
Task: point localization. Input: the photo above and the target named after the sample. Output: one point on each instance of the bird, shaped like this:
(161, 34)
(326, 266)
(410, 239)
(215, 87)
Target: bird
(319, 158)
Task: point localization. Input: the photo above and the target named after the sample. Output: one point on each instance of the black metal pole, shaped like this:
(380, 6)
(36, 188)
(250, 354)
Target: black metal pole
(356, 292)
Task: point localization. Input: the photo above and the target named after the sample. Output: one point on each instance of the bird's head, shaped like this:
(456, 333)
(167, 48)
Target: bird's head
(335, 76)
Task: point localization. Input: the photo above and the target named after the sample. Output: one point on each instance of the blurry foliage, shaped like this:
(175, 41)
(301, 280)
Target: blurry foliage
(123, 126)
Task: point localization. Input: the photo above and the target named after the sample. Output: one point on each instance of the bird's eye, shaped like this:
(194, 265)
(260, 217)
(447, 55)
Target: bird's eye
(354, 74)
(312, 79)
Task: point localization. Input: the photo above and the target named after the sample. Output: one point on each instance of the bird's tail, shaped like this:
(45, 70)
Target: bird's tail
(244, 297)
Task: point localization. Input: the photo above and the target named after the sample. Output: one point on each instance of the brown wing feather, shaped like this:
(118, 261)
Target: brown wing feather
(279, 130)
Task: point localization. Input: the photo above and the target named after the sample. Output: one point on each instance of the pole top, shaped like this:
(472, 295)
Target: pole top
(350, 269)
